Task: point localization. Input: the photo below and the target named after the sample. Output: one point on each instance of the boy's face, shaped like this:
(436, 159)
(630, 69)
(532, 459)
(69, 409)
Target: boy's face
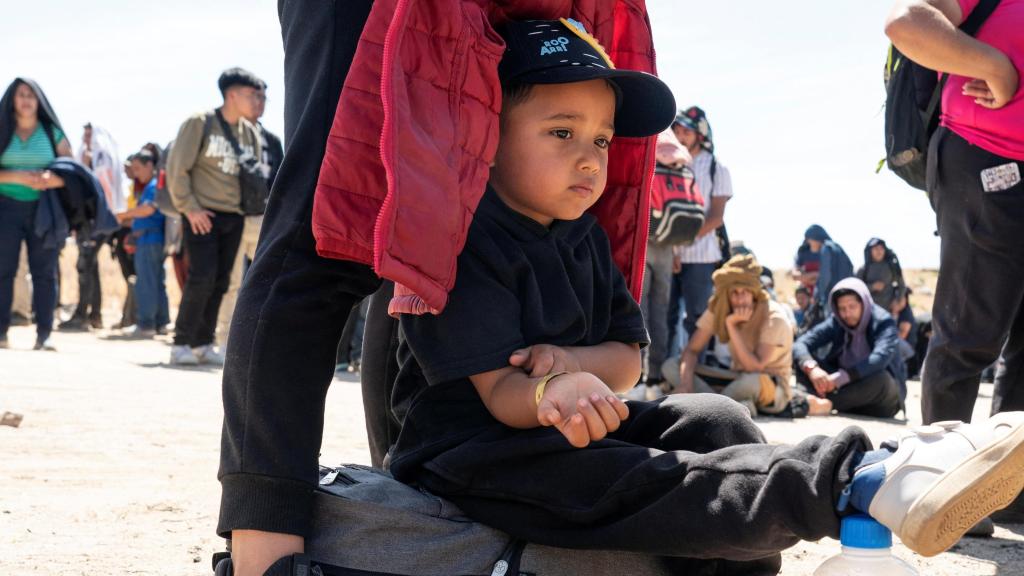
(552, 158)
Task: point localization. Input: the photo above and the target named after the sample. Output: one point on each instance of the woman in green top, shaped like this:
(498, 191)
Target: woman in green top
(30, 139)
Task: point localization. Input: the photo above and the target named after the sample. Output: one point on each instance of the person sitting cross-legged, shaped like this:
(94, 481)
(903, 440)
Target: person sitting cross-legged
(760, 341)
(860, 371)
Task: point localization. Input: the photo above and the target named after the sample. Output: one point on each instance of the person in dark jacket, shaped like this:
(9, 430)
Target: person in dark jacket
(861, 372)
(833, 266)
(883, 275)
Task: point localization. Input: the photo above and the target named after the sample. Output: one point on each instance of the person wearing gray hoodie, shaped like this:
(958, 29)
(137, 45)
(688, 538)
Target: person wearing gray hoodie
(852, 357)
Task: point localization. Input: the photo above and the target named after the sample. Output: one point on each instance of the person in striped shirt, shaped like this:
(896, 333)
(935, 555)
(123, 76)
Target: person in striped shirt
(691, 283)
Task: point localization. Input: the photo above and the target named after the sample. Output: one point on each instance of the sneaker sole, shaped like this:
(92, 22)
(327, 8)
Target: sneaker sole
(988, 481)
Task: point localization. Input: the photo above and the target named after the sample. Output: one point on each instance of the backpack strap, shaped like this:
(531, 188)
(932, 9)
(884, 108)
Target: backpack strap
(978, 16)
(207, 126)
(229, 134)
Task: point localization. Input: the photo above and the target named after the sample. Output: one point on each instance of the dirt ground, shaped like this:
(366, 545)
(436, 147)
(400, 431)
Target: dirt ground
(113, 470)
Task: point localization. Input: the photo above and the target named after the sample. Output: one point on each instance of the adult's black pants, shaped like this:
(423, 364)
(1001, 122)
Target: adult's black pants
(978, 311)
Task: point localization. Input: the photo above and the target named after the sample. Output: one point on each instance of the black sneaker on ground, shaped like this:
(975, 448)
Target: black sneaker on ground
(73, 325)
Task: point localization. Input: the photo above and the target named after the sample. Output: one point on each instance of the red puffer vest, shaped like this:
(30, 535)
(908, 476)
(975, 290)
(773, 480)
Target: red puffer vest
(416, 129)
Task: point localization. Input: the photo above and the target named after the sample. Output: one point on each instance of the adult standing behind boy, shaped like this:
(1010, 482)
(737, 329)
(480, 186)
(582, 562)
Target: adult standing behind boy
(203, 180)
(273, 154)
(691, 285)
(976, 161)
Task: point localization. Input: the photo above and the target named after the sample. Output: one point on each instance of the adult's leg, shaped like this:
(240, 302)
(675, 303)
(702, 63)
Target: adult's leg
(877, 395)
(697, 288)
(981, 284)
(745, 390)
(147, 262)
(21, 303)
(377, 373)
(94, 303)
(13, 217)
(246, 253)
(163, 314)
(675, 314)
(1009, 382)
(227, 229)
(202, 278)
(42, 263)
(685, 476)
(345, 342)
(293, 303)
(657, 285)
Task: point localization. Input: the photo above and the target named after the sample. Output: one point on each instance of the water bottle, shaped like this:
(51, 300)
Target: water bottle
(867, 551)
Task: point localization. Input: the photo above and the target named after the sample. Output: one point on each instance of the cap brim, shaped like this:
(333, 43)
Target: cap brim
(646, 105)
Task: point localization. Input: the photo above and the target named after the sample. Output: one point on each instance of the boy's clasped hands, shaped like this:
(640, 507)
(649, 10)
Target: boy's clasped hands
(581, 406)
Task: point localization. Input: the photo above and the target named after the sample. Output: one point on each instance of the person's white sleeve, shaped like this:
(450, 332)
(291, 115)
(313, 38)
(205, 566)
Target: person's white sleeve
(723, 183)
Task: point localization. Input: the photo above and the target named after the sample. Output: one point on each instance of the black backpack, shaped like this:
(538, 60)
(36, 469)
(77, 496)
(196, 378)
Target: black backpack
(913, 95)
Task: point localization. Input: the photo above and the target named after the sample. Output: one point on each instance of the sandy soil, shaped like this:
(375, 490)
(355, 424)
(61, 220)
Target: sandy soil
(113, 469)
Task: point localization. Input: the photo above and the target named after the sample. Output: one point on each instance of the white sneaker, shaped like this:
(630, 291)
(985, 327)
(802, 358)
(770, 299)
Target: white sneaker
(209, 355)
(183, 356)
(944, 478)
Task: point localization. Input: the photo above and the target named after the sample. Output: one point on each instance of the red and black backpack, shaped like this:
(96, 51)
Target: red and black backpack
(677, 207)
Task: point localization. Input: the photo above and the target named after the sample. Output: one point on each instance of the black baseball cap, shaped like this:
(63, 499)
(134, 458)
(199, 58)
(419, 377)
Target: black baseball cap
(562, 51)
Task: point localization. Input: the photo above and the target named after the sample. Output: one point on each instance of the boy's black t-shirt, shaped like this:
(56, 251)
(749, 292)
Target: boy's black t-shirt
(519, 284)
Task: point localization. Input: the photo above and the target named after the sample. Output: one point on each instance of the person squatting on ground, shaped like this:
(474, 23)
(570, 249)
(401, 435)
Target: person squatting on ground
(30, 139)
(203, 180)
(691, 285)
(760, 339)
(861, 371)
(147, 223)
(650, 484)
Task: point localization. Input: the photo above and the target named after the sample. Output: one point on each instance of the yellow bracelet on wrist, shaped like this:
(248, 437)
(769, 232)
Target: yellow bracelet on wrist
(542, 384)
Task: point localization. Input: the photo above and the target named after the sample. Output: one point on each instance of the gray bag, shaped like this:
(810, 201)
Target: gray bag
(367, 523)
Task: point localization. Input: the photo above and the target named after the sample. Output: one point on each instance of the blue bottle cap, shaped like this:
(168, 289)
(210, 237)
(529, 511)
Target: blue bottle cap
(862, 531)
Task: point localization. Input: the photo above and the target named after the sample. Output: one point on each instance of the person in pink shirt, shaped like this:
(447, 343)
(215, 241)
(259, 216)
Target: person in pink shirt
(975, 161)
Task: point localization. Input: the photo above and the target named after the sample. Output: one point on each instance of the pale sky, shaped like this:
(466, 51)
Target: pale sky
(793, 91)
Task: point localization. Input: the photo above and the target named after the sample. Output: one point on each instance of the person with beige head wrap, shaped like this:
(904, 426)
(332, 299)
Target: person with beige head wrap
(741, 315)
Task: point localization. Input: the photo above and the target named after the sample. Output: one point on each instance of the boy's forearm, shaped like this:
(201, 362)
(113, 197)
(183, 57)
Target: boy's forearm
(617, 364)
(512, 400)
(926, 35)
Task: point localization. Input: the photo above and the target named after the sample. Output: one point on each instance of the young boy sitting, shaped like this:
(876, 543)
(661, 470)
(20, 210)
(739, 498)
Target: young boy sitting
(508, 397)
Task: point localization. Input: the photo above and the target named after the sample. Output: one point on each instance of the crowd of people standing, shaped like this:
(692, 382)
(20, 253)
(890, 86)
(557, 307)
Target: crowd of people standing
(198, 201)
